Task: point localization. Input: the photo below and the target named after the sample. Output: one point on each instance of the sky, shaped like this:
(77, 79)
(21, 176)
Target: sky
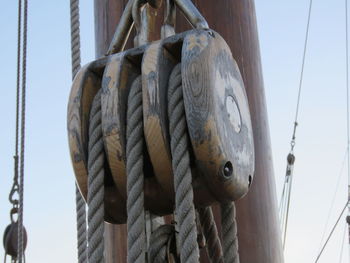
(49, 204)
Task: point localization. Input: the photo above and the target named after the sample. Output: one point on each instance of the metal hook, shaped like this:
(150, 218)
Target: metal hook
(123, 30)
(13, 211)
(141, 21)
(192, 14)
(168, 28)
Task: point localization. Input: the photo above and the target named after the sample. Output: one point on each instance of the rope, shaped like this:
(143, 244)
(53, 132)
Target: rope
(96, 161)
(158, 243)
(81, 226)
(135, 178)
(214, 248)
(229, 232)
(23, 118)
(80, 203)
(75, 36)
(185, 212)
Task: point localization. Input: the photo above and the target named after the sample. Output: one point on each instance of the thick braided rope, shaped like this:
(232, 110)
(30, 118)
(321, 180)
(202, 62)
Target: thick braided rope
(158, 243)
(79, 201)
(185, 212)
(135, 178)
(95, 184)
(81, 226)
(214, 248)
(229, 232)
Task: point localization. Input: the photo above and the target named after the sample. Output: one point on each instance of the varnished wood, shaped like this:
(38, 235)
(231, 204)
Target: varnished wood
(258, 228)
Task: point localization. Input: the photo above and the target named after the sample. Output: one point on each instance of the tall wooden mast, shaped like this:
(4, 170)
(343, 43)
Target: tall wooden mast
(235, 20)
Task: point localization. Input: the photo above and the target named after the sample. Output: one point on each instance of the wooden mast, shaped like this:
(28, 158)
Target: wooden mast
(235, 20)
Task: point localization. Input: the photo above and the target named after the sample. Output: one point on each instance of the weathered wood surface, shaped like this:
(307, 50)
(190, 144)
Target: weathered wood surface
(218, 115)
(84, 88)
(156, 68)
(258, 228)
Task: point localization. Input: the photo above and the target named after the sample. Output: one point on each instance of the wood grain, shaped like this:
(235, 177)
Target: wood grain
(213, 91)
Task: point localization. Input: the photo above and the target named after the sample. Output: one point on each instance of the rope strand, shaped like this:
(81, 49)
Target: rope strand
(135, 177)
(96, 161)
(214, 248)
(185, 211)
(229, 232)
(79, 201)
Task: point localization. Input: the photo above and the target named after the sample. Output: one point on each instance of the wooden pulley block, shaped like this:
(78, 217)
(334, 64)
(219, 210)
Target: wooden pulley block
(158, 62)
(85, 86)
(218, 115)
(121, 70)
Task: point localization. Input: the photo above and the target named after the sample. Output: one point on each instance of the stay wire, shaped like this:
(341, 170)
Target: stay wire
(23, 115)
(18, 83)
(285, 204)
(342, 244)
(332, 231)
(333, 198)
(301, 76)
(15, 186)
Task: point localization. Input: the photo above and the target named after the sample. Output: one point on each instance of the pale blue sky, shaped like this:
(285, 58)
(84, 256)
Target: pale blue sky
(321, 138)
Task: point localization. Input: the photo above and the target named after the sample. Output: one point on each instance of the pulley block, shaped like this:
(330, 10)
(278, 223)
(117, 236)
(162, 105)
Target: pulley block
(85, 86)
(10, 239)
(216, 106)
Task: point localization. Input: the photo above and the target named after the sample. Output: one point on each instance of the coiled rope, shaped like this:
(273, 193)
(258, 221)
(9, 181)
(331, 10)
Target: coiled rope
(79, 201)
(229, 232)
(185, 212)
(96, 161)
(135, 177)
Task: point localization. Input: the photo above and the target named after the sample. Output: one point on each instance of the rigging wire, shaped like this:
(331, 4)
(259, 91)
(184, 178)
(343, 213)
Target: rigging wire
(347, 104)
(23, 115)
(332, 231)
(342, 244)
(333, 198)
(287, 188)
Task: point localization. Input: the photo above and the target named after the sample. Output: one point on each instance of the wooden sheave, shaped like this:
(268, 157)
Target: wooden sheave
(235, 21)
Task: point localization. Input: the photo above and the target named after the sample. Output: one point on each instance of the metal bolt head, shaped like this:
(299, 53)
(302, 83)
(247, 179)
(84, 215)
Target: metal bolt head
(227, 170)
